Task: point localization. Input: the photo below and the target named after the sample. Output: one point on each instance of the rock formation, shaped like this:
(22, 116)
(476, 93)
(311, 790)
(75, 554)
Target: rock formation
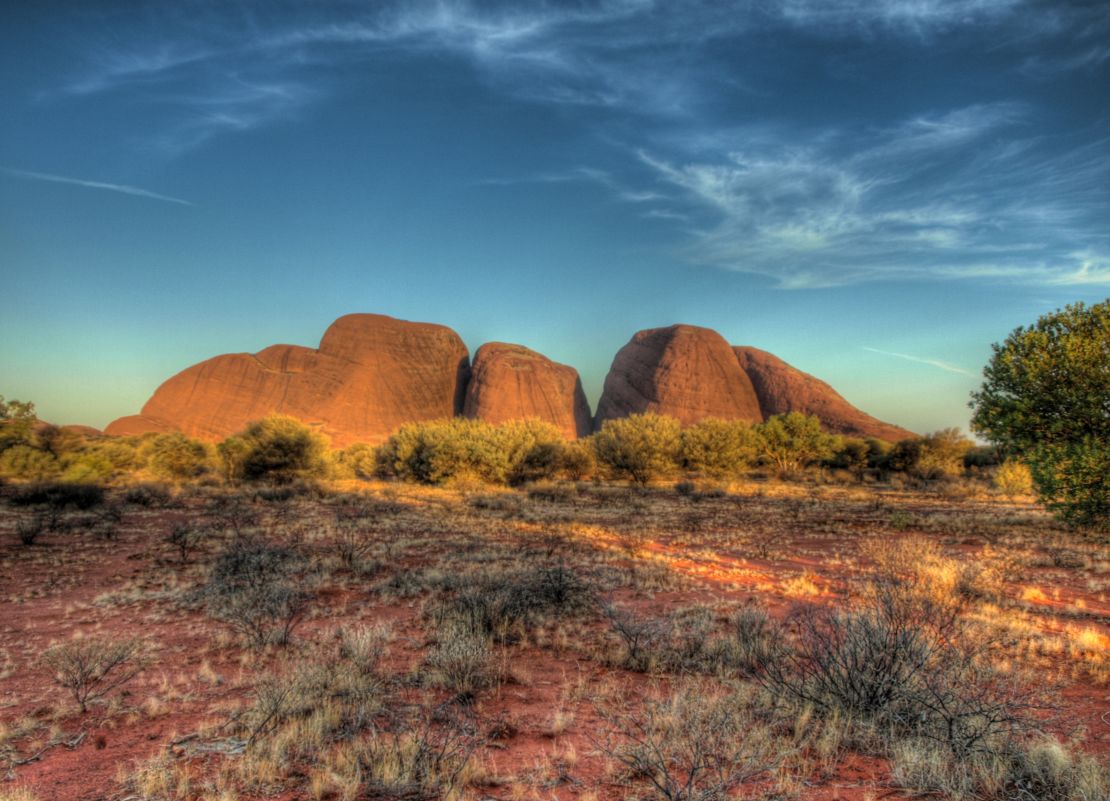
(370, 375)
(683, 371)
(511, 382)
(782, 388)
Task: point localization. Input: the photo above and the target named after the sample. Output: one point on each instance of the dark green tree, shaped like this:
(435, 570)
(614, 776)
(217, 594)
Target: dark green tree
(1046, 400)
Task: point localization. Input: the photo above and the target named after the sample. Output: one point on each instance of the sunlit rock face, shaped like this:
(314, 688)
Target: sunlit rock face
(683, 371)
(370, 375)
(512, 382)
(782, 388)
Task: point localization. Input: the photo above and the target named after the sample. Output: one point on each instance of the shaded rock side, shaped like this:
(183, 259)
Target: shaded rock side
(782, 388)
(370, 375)
(684, 371)
(512, 382)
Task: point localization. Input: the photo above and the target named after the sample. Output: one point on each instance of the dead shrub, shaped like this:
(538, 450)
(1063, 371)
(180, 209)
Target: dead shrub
(91, 667)
(257, 589)
(695, 744)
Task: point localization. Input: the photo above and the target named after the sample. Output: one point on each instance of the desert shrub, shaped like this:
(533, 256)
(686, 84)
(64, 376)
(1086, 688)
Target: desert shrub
(357, 461)
(87, 466)
(340, 687)
(506, 607)
(877, 452)
(176, 456)
(277, 449)
(793, 441)
(29, 463)
(982, 456)
(752, 643)
(641, 446)
(644, 640)
(438, 451)
(232, 513)
(29, 529)
(1012, 478)
(718, 448)
(852, 454)
(1042, 769)
(533, 448)
(153, 496)
(904, 659)
(942, 454)
(60, 495)
(255, 588)
(695, 744)
(461, 660)
(424, 754)
(91, 667)
(187, 537)
(904, 456)
(579, 459)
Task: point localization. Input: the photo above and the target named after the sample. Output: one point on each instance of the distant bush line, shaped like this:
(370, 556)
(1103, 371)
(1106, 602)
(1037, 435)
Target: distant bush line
(641, 448)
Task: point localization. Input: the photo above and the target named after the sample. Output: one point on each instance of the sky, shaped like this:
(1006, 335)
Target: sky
(873, 191)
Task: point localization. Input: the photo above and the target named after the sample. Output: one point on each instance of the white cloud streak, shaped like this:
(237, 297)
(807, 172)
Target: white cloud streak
(121, 188)
(937, 363)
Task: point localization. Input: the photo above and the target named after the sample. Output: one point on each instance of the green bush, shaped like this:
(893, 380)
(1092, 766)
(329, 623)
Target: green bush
(640, 446)
(176, 456)
(718, 448)
(579, 459)
(441, 450)
(31, 464)
(277, 449)
(357, 461)
(853, 455)
(460, 449)
(1012, 478)
(793, 441)
(942, 454)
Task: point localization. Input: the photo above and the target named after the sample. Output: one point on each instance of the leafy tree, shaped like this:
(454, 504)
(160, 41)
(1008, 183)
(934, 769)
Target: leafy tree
(718, 448)
(278, 449)
(1046, 398)
(640, 446)
(17, 420)
(792, 441)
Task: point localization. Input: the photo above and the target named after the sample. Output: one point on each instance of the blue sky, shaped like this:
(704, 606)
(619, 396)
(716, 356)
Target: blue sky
(873, 191)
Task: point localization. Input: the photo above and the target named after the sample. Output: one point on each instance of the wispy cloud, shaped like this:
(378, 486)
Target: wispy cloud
(958, 194)
(121, 188)
(937, 363)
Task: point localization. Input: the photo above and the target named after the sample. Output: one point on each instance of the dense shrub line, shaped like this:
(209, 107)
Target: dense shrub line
(280, 451)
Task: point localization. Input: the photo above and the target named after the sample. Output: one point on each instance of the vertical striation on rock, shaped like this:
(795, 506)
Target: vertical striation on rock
(370, 375)
(512, 382)
(684, 371)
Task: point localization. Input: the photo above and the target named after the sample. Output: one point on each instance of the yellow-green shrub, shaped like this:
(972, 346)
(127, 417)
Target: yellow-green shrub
(718, 448)
(640, 446)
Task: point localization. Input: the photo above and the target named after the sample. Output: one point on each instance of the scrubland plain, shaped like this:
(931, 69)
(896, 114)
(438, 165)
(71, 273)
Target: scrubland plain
(570, 640)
